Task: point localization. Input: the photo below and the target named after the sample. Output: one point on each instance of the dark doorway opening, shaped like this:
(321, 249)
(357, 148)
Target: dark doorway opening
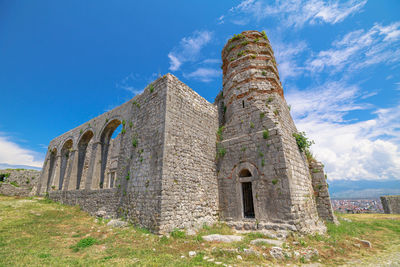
(248, 206)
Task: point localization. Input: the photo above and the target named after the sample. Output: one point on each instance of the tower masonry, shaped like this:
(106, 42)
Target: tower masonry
(263, 177)
(182, 162)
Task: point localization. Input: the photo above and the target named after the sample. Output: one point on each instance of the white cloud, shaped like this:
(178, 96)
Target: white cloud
(13, 154)
(297, 12)
(367, 149)
(286, 54)
(211, 61)
(204, 74)
(397, 86)
(360, 49)
(135, 83)
(188, 49)
(174, 62)
(330, 101)
(221, 19)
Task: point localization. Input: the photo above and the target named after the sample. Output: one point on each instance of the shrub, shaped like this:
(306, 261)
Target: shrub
(4, 176)
(251, 125)
(241, 53)
(14, 184)
(274, 181)
(134, 103)
(221, 152)
(219, 133)
(151, 88)
(262, 115)
(302, 141)
(264, 35)
(176, 233)
(134, 142)
(310, 156)
(231, 47)
(264, 73)
(265, 134)
(236, 37)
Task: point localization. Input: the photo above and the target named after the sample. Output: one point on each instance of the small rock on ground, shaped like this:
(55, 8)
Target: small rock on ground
(117, 223)
(250, 251)
(223, 238)
(276, 253)
(192, 253)
(273, 242)
(365, 243)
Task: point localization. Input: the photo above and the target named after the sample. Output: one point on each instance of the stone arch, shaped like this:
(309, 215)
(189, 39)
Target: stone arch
(52, 165)
(105, 139)
(65, 158)
(83, 158)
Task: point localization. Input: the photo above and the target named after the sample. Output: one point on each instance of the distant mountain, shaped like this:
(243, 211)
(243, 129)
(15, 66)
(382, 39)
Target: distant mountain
(347, 189)
(9, 166)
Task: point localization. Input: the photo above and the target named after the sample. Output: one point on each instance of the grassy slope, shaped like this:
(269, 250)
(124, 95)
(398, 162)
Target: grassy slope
(40, 233)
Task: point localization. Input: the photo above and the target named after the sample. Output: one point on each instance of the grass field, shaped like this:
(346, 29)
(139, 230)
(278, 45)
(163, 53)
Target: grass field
(38, 232)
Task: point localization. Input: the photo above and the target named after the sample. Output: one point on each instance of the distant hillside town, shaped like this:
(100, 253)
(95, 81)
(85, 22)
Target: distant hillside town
(357, 205)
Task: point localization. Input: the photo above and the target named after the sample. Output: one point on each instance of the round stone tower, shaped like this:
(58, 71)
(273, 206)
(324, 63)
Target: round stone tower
(264, 179)
(249, 71)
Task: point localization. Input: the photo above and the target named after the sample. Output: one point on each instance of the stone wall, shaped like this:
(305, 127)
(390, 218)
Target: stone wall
(321, 192)
(163, 160)
(91, 201)
(135, 156)
(189, 185)
(391, 204)
(18, 182)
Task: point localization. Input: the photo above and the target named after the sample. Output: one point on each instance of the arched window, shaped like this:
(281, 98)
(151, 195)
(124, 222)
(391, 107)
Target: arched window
(65, 156)
(83, 159)
(110, 141)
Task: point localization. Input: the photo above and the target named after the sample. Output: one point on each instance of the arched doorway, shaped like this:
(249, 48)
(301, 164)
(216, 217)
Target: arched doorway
(247, 193)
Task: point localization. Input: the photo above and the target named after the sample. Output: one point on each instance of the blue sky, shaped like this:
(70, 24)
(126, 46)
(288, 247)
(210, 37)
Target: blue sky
(65, 62)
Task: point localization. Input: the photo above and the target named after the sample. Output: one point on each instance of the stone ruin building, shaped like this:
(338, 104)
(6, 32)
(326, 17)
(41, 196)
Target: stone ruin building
(391, 204)
(181, 162)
